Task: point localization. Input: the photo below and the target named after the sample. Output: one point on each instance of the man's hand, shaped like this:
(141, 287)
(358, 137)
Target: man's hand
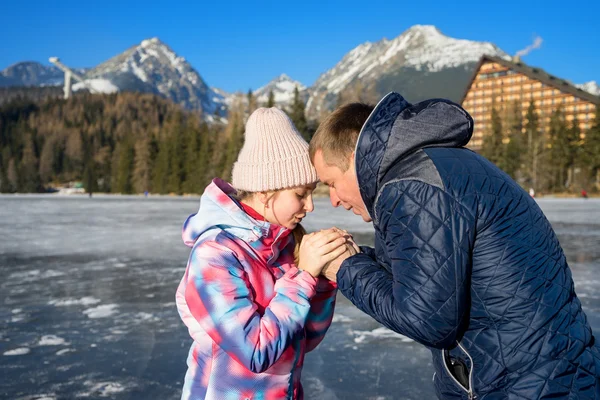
(331, 268)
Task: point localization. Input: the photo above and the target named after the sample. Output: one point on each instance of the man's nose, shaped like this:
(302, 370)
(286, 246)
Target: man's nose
(335, 200)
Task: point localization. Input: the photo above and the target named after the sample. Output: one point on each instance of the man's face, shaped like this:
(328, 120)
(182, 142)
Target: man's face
(343, 186)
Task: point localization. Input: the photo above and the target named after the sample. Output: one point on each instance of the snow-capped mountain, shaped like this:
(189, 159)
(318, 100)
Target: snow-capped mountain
(283, 91)
(31, 73)
(154, 67)
(420, 63)
(151, 67)
(590, 87)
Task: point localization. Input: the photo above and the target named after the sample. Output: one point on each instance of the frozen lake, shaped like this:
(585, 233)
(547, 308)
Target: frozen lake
(87, 307)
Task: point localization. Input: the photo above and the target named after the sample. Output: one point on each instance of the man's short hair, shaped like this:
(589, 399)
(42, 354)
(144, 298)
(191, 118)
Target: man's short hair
(337, 135)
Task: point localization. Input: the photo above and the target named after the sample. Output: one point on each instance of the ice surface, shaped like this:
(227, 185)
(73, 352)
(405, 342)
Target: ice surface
(97, 278)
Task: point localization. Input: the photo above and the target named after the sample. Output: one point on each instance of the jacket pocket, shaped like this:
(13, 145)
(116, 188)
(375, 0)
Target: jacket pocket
(459, 372)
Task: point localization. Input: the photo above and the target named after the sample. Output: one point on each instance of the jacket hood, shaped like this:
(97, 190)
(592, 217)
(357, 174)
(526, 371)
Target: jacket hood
(396, 128)
(218, 210)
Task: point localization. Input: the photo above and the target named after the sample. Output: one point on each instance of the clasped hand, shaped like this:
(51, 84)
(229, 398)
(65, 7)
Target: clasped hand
(323, 252)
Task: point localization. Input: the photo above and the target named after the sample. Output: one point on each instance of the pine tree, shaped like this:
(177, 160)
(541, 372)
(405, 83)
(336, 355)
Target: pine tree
(161, 170)
(251, 102)
(271, 99)
(573, 152)
(193, 166)
(74, 154)
(297, 114)
(103, 158)
(535, 146)
(124, 168)
(234, 132)
(515, 148)
(47, 161)
(207, 146)
(591, 151)
(29, 168)
(176, 156)
(492, 147)
(560, 153)
(89, 171)
(142, 169)
(12, 174)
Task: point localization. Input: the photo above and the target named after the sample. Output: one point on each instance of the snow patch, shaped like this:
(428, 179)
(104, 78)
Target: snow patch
(24, 275)
(103, 311)
(84, 301)
(341, 318)
(379, 333)
(102, 389)
(17, 352)
(51, 340)
(145, 317)
(64, 351)
(98, 84)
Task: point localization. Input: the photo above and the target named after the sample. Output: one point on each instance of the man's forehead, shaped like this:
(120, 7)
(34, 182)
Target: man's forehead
(323, 170)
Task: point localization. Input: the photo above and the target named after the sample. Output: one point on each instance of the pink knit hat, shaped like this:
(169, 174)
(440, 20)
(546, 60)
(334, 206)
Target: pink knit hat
(274, 155)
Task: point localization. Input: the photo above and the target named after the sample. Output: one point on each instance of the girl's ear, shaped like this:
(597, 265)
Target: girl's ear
(263, 197)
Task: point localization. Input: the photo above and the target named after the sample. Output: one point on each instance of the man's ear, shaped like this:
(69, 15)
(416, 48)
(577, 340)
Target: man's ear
(351, 162)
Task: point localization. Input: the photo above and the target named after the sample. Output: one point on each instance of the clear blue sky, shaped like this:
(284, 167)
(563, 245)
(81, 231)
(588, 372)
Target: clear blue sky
(241, 45)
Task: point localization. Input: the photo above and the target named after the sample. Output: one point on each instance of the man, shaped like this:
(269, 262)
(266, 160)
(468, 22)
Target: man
(464, 262)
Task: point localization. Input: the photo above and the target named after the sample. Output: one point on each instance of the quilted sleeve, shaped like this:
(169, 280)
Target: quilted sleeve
(428, 239)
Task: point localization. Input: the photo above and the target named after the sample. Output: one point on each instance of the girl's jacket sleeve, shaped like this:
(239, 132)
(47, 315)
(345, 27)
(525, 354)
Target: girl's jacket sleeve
(219, 298)
(321, 312)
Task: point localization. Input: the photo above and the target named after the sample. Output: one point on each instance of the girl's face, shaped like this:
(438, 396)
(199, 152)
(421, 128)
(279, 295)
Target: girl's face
(289, 206)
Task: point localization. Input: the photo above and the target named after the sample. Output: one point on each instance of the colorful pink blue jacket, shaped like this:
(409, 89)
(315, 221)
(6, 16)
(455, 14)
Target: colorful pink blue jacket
(252, 314)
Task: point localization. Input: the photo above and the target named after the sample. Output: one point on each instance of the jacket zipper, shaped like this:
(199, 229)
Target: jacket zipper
(272, 246)
(470, 392)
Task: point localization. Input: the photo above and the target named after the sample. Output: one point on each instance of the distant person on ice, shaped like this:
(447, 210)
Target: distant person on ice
(464, 262)
(252, 295)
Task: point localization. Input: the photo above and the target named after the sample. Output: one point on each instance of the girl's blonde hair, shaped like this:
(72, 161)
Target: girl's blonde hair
(298, 232)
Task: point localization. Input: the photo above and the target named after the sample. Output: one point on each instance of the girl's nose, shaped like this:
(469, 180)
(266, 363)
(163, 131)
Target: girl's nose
(309, 206)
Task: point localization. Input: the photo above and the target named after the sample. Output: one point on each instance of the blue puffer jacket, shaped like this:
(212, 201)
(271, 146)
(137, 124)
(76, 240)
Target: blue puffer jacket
(465, 262)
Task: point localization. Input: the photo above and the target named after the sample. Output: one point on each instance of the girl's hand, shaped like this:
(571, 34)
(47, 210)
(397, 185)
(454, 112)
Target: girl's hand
(319, 248)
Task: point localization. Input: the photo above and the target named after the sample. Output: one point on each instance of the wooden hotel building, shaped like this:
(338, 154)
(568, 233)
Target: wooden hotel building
(499, 83)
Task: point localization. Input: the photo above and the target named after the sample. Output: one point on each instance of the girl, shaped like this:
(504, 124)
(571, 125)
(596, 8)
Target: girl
(252, 311)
